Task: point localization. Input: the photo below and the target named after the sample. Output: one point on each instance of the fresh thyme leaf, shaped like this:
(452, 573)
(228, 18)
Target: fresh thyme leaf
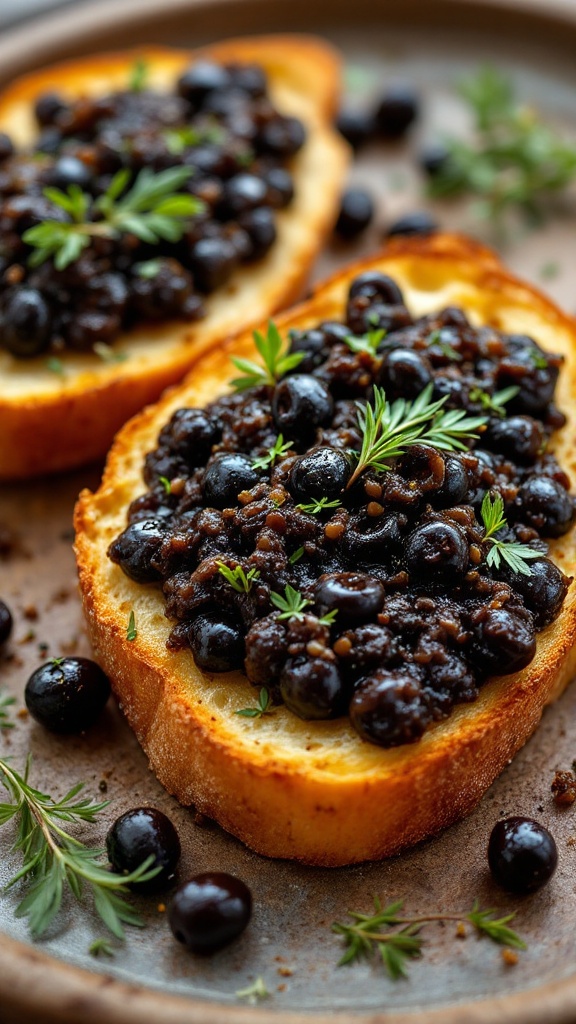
(257, 990)
(495, 928)
(54, 860)
(497, 401)
(152, 209)
(166, 484)
(276, 359)
(263, 707)
(318, 505)
(447, 350)
(149, 268)
(6, 701)
(329, 618)
(292, 605)
(515, 159)
(279, 449)
(237, 578)
(368, 342)
(388, 431)
(396, 937)
(100, 946)
(179, 139)
(296, 556)
(139, 73)
(55, 366)
(537, 359)
(131, 631)
(516, 555)
(107, 354)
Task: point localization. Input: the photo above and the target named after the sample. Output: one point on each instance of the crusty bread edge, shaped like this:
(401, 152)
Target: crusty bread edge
(299, 810)
(56, 423)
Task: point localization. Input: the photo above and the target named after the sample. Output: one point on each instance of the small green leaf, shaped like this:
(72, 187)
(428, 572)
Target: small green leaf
(139, 74)
(319, 505)
(166, 484)
(107, 354)
(277, 361)
(100, 947)
(55, 366)
(263, 707)
(239, 580)
(131, 631)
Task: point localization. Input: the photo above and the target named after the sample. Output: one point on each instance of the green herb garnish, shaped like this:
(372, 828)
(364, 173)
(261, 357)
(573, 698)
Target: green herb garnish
(292, 605)
(139, 75)
(107, 354)
(263, 707)
(367, 343)
(55, 366)
(277, 361)
(515, 159)
(279, 449)
(447, 350)
(537, 359)
(53, 859)
(149, 269)
(179, 139)
(237, 578)
(296, 556)
(388, 431)
(152, 209)
(257, 990)
(131, 631)
(318, 505)
(100, 947)
(513, 553)
(496, 402)
(6, 701)
(166, 484)
(397, 939)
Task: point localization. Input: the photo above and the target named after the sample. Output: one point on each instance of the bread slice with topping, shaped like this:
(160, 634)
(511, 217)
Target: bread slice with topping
(313, 790)
(61, 413)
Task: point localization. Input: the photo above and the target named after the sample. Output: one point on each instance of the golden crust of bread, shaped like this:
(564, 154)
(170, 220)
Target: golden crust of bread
(314, 791)
(50, 422)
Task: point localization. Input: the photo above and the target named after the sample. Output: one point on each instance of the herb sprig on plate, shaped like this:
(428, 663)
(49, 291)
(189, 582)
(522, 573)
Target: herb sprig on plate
(515, 555)
(275, 357)
(239, 580)
(153, 209)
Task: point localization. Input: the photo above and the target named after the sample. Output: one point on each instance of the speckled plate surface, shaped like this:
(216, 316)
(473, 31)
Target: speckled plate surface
(289, 943)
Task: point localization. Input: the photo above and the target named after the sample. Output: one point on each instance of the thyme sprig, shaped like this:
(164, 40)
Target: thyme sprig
(397, 939)
(275, 357)
(239, 580)
(389, 430)
(139, 74)
(494, 403)
(279, 450)
(6, 701)
(318, 505)
(514, 161)
(516, 555)
(367, 343)
(292, 606)
(152, 209)
(54, 860)
(264, 706)
(447, 350)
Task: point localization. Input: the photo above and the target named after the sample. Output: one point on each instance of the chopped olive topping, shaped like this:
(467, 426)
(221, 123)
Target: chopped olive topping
(365, 527)
(135, 205)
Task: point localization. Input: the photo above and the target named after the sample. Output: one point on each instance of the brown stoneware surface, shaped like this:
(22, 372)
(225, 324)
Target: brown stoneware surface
(289, 942)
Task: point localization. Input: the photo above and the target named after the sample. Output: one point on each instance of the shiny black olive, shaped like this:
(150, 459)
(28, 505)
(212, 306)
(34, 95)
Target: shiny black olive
(322, 472)
(280, 187)
(455, 485)
(47, 108)
(405, 373)
(191, 433)
(356, 213)
(26, 324)
(250, 78)
(212, 260)
(423, 466)
(312, 688)
(135, 548)
(141, 833)
(543, 591)
(301, 404)
(371, 539)
(241, 193)
(356, 126)
(388, 708)
(282, 136)
(260, 227)
(210, 911)
(312, 344)
(418, 223)
(522, 854)
(217, 642)
(202, 78)
(544, 504)
(6, 622)
(226, 476)
(434, 158)
(519, 438)
(374, 285)
(357, 596)
(397, 110)
(6, 147)
(69, 170)
(437, 550)
(506, 641)
(67, 695)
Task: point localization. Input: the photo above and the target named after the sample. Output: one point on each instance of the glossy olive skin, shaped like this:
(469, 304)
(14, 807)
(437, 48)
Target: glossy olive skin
(225, 477)
(141, 833)
(418, 223)
(217, 642)
(136, 546)
(388, 708)
(357, 596)
(437, 547)
(6, 622)
(210, 911)
(312, 688)
(322, 472)
(67, 695)
(356, 212)
(544, 504)
(300, 404)
(522, 854)
(374, 285)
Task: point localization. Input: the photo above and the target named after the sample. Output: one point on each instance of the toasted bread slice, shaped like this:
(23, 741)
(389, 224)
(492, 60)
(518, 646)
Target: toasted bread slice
(314, 791)
(52, 422)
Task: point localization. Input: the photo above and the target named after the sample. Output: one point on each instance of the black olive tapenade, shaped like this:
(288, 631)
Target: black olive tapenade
(218, 125)
(378, 592)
